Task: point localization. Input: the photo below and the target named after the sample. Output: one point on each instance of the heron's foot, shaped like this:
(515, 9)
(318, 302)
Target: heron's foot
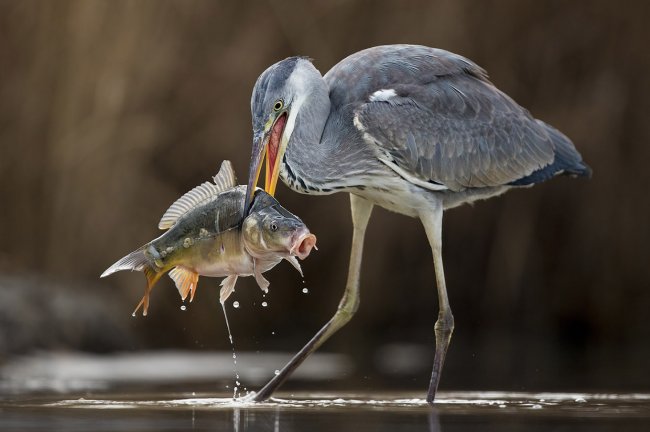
(249, 398)
(444, 328)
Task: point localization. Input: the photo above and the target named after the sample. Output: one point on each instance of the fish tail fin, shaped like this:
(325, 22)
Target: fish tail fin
(152, 276)
(137, 261)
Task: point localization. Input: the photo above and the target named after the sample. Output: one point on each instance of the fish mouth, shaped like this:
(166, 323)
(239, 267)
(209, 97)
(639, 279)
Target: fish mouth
(303, 245)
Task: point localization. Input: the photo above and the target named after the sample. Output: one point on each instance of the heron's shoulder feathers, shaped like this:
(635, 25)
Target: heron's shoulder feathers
(461, 133)
(361, 74)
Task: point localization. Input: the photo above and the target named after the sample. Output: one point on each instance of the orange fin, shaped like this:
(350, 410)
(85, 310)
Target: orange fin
(152, 278)
(185, 280)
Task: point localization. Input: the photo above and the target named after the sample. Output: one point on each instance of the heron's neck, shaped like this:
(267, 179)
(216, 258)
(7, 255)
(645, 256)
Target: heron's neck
(308, 157)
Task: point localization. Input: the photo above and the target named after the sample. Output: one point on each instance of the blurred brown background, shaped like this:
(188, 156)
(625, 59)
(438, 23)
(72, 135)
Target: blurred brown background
(109, 110)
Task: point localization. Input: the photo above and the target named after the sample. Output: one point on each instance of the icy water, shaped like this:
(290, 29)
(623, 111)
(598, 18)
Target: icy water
(460, 411)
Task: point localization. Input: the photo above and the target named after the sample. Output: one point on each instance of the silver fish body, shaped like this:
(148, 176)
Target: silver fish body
(209, 235)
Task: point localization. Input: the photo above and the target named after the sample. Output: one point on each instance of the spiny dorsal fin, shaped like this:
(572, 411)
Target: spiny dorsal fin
(225, 179)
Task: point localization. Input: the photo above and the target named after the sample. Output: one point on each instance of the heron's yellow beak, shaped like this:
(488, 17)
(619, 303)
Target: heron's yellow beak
(272, 171)
(259, 149)
(272, 145)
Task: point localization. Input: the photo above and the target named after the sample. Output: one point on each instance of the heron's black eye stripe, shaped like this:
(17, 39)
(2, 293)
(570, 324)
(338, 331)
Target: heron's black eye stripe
(278, 105)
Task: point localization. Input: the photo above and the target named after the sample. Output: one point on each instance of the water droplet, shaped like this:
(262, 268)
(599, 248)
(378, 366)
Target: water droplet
(235, 304)
(305, 290)
(264, 304)
(183, 307)
(277, 372)
(133, 314)
(234, 355)
(238, 383)
(273, 333)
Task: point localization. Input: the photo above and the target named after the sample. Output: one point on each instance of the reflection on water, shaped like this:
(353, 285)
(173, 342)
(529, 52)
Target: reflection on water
(316, 412)
(76, 372)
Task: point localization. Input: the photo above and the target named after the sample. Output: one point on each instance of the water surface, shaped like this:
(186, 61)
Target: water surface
(453, 411)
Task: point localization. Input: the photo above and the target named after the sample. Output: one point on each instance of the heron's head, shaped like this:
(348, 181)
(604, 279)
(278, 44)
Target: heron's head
(277, 98)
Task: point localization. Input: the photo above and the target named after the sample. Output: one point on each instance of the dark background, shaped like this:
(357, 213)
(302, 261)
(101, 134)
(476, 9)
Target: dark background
(109, 110)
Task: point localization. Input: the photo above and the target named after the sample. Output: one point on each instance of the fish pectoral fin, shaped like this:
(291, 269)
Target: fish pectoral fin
(294, 262)
(261, 280)
(185, 280)
(227, 288)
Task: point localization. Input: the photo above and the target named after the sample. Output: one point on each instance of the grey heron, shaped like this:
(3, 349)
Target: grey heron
(413, 129)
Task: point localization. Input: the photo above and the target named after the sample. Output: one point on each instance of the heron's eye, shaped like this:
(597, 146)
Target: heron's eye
(273, 227)
(278, 105)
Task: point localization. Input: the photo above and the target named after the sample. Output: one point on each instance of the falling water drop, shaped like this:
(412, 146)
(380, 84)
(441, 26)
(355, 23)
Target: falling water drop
(234, 355)
(183, 307)
(305, 290)
(277, 372)
(264, 304)
(235, 304)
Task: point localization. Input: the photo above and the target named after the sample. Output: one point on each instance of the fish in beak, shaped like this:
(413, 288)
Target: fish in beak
(272, 145)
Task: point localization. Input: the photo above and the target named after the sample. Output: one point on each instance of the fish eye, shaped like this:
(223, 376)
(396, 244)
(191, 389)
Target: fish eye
(278, 105)
(273, 227)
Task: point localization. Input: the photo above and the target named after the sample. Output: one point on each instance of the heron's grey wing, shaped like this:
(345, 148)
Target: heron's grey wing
(435, 118)
(457, 131)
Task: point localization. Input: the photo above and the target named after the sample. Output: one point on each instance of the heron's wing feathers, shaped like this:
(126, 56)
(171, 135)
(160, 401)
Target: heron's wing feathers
(434, 117)
(458, 131)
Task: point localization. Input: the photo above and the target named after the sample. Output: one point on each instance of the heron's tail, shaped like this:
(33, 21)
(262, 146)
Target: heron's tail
(567, 160)
(138, 261)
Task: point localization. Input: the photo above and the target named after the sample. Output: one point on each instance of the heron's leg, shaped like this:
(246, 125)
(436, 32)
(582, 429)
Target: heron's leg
(432, 221)
(361, 209)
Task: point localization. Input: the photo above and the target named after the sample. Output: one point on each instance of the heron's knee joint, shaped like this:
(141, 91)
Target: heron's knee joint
(344, 314)
(445, 323)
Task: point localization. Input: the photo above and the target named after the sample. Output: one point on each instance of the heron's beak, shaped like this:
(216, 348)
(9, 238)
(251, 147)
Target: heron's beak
(260, 142)
(272, 145)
